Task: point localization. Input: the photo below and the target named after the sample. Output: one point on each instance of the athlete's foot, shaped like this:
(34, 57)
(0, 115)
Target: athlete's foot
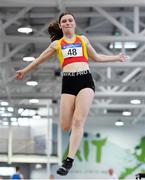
(65, 167)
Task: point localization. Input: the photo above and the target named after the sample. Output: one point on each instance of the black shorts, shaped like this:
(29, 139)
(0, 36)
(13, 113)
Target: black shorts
(73, 82)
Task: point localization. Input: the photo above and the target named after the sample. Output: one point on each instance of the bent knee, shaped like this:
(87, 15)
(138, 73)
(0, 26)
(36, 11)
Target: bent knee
(78, 122)
(66, 127)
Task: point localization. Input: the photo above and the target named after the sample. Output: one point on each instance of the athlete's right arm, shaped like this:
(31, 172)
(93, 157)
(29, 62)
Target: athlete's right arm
(45, 55)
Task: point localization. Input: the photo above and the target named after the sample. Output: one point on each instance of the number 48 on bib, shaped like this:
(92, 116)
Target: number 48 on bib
(72, 50)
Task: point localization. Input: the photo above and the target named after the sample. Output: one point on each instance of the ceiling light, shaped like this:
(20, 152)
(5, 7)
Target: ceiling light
(25, 29)
(2, 108)
(6, 114)
(32, 83)
(4, 103)
(126, 113)
(13, 119)
(126, 45)
(34, 101)
(38, 166)
(119, 123)
(20, 110)
(10, 109)
(28, 58)
(135, 101)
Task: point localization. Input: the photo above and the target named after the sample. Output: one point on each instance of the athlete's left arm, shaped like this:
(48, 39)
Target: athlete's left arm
(101, 57)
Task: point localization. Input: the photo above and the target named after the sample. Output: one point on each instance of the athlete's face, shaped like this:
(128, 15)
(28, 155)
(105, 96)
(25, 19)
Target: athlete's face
(67, 24)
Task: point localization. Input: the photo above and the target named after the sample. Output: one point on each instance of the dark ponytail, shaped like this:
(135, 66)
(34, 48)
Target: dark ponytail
(54, 31)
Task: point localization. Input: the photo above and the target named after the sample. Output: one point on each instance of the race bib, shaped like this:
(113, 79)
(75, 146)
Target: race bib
(72, 50)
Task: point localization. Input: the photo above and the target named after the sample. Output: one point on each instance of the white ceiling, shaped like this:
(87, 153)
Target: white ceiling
(116, 83)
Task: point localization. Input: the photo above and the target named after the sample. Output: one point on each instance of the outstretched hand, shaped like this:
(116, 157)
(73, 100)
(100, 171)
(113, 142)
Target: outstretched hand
(20, 75)
(123, 57)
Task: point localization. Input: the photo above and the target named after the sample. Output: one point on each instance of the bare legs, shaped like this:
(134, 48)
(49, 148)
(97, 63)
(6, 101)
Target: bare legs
(67, 106)
(73, 114)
